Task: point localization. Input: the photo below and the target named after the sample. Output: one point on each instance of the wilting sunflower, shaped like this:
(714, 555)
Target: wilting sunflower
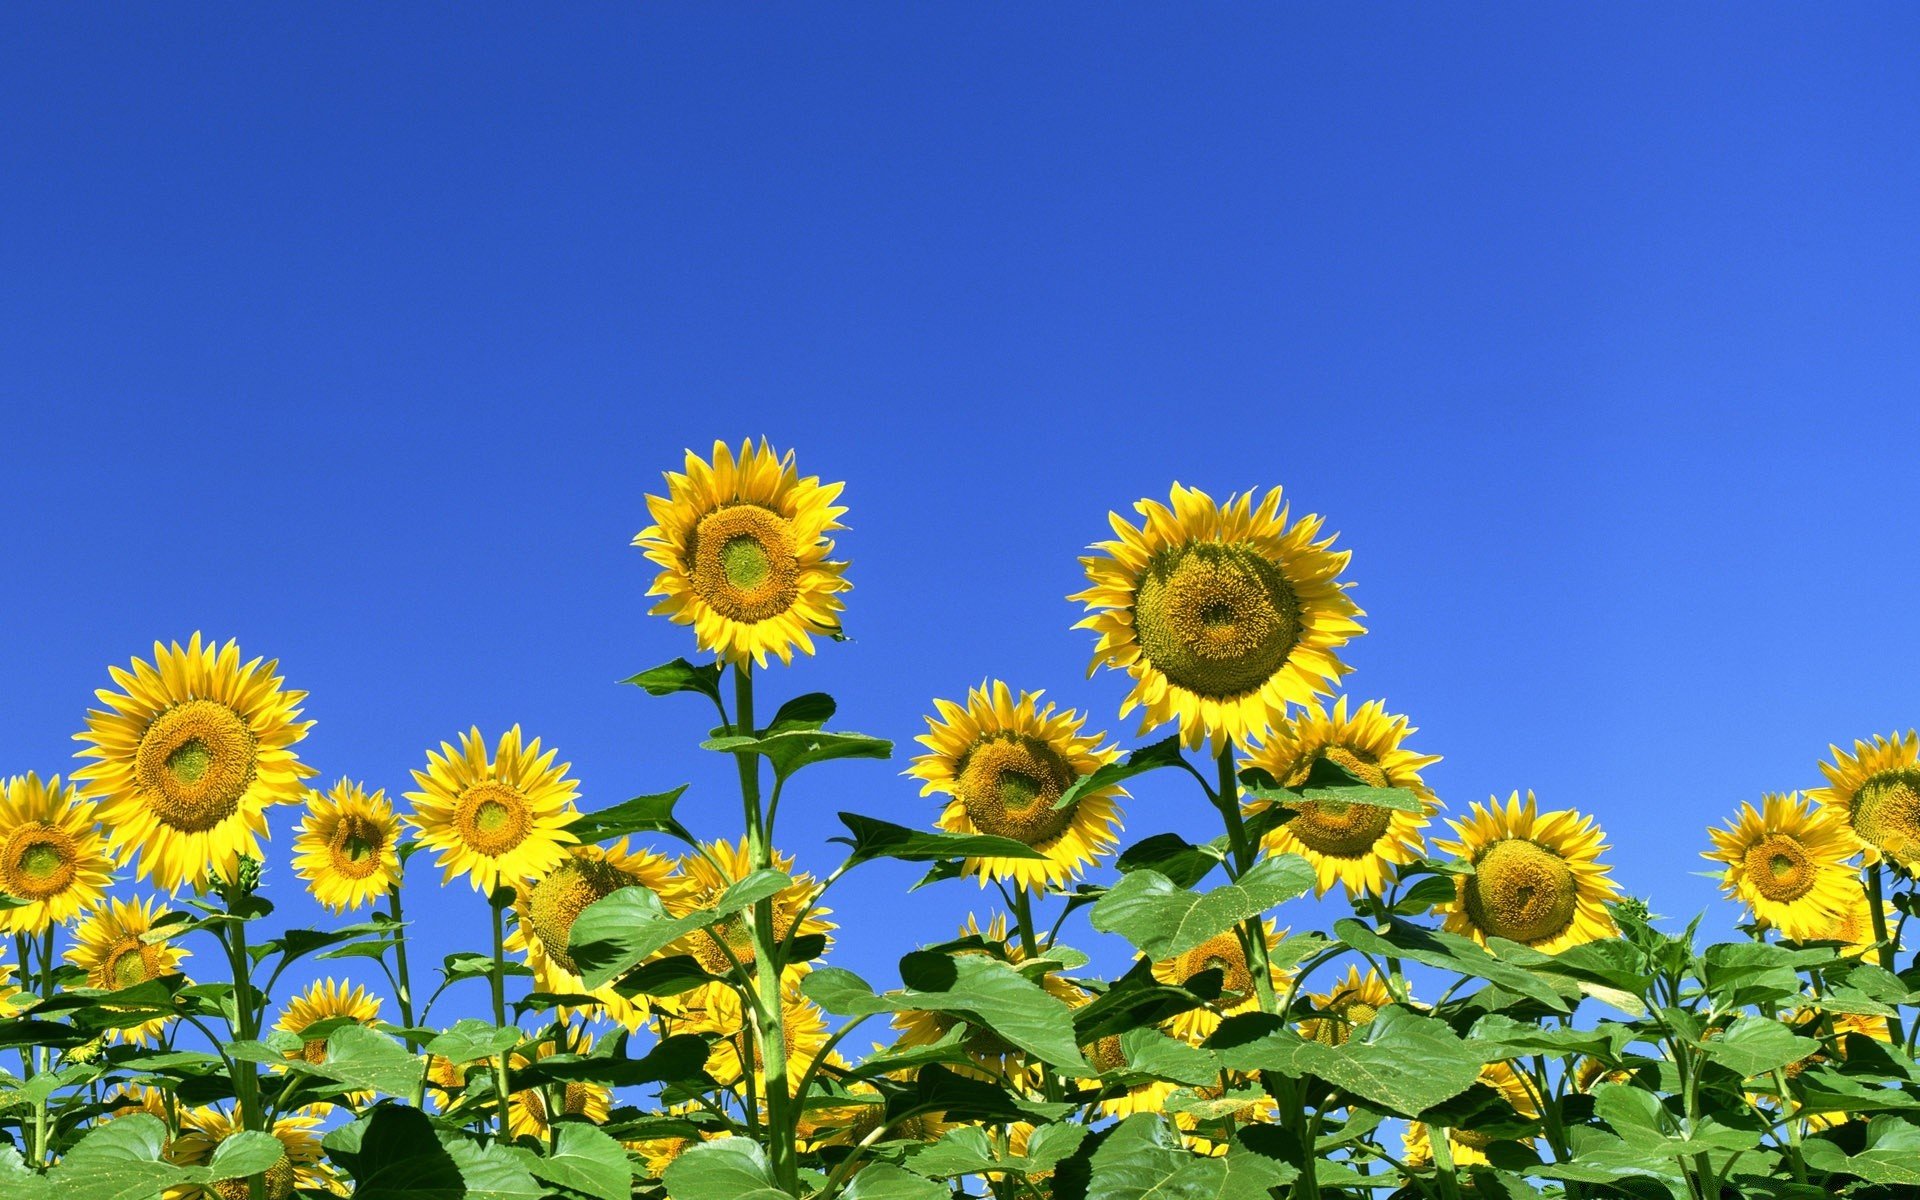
(1353, 844)
(1223, 614)
(722, 1013)
(348, 847)
(1875, 791)
(499, 820)
(742, 547)
(1537, 876)
(1238, 993)
(331, 1003)
(528, 1114)
(110, 945)
(1467, 1147)
(299, 1166)
(708, 873)
(189, 758)
(993, 1056)
(1787, 862)
(546, 908)
(50, 854)
(1348, 1005)
(1004, 762)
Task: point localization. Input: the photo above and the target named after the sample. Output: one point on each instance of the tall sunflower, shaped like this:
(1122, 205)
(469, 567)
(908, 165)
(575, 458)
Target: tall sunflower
(348, 847)
(51, 856)
(708, 873)
(742, 547)
(1238, 994)
(1875, 791)
(1222, 614)
(530, 1110)
(188, 759)
(1348, 1005)
(1003, 762)
(110, 944)
(1787, 862)
(1537, 876)
(1357, 845)
(1467, 1147)
(499, 820)
(299, 1166)
(546, 908)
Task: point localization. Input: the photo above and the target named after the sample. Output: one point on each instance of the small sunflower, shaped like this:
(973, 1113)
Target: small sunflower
(1223, 614)
(1787, 862)
(546, 908)
(1537, 876)
(1238, 993)
(299, 1167)
(110, 945)
(722, 1013)
(1349, 1005)
(1357, 845)
(51, 856)
(993, 1056)
(348, 847)
(659, 1153)
(1590, 1072)
(1875, 791)
(742, 547)
(500, 820)
(189, 758)
(330, 1002)
(528, 1113)
(707, 874)
(129, 1099)
(851, 1123)
(1004, 762)
(1469, 1149)
(8, 992)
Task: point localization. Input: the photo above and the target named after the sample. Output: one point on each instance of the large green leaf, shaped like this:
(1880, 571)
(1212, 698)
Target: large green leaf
(880, 839)
(726, 1169)
(1401, 1061)
(984, 990)
(679, 676)
(791, 749)
(642, 814)
(587, 1161)
(1755, 1045)
(395, 1153)
(615, 933)
(883, 1181)
(358, 1058)
(1144, 1158)
(1163, 919)
(1891, 1156)
(471, 1040)
(1163, 753)
(1173, 856)
(1448, 952)
(118, 1160)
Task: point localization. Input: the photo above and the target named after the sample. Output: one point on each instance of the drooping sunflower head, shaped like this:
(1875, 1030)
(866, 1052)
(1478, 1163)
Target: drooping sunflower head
(51, 855)
(530, 1111)
(1004, 762)
(110, 944)
(299, 1166)
(348, 847)
(1788, 862)
(546, 908)
(1222, 614)
(713, 869)
(188, 757)
(499, 819)
(742, 547)
(1537, 878)
(1238, 992)
(324, 1007)
(1875, 792)
(1356, 845)
(1468, 1147)
(1349, 1005)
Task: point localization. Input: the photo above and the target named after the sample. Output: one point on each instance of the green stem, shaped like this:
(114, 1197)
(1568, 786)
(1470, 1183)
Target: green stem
(403, 986)
(40, 1139)
(1443, 1161)
(1030, 939)
(1877, 905)
(503, 1093)
(1252, 931)
(246, 1076)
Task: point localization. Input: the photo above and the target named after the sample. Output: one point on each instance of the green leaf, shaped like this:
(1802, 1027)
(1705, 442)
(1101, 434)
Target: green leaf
(360, 1058)
(680, 676)
(791, 749)
(642, 814)
(1755, 1045)
(987, 992)
(395, 1153)
(1163, 753)
(587, 1161)
(249, 1152)
(1144, 1159)
(1892, 1154)
(1449, 952)
(726, 1169)
(1139, 999)
(879, 839)
(810, 711)
(1163, 920)
(118, 1160)
(1171, 855)
(1400, 1061)
(884, 1181)
(668, 976)
(471, 1040)
(616, 933)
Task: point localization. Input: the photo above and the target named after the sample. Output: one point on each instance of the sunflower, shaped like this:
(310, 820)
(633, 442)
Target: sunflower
(500, 821)
(50, 854)
(299, 1167)
(127, 1100)
(1223, 953)
(110, 944)
(1854, 926)
(1222, 614)
(1787, 862)
(332, 1003)
(1353, 844)
(189, 758)
(1004, 763)
(742, 547)
(707, 874)
(1875, 791)
(721, 1013)
(1349, 1005)
(8, 992)
(545, 909)
(993, 1056)
(850, 1123)
(1537, 877)
(1590, 1072)
(348, 847)
(528, 1112)
(1467, 1147)
(1245, 1106)
(1109, 1057)
(659, 1153)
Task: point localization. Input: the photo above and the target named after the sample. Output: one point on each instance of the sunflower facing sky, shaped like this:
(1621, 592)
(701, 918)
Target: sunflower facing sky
(1537, 876)
(189, 757)
(1004, 762)
(1356, 845)
(348, 847)
(111, 946)
(1788, 862)
(329, 1001)
(742, 546)
(545, 909)
(1875, 791)
(51, 855)
(1223, 614)
(498, 820)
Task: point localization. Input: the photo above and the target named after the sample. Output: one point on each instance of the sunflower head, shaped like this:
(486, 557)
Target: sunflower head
(331, 1003)
(720, 1014)
(742, 546)
(546, 908)
(188, 757)
(1223, 953)
(111, 945)
(1537, 878)
(1788, 863)
(709, 872)
(298, 1167)
(1467, 1147)
(51, 855)
(1003, 763)
(499, 820)
(348, 847)
(1222, 614)
(1351, 1004)
(1875, 792)
(530, 1111)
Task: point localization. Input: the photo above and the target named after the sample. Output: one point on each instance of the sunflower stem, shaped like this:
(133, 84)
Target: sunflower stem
(1877, 905)
(497, 978)
(246, 1076)
(1252, 930)
(1030, 940)
(40, 1147)
(1437, 1137)
(403, 985)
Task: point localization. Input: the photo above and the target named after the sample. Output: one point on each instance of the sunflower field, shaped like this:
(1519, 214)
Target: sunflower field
(1330, 982)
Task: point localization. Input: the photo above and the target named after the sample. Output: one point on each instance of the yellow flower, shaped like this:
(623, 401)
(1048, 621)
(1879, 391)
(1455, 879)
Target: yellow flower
(1349, 1005)
(1222, 614)
(710, 872)
(348, 847)
(1468, 1148)
(110, 945)
(331, 1002)
(50, 854)
(1787, 862)
(993, 1056)
(500, 821)
(545, 910)
(1590, 1072)
(8, 992)
(528, 1112)
(1004, 762)
(203, 1129)
(1875, 791)
(1107, 1055)
(1357, 845)
(661, 1152)
(1537, 876)
(189, 758)
(1854, 926)
(721, 1012)
(742, 547)
(850, 1124)
(1238, 993)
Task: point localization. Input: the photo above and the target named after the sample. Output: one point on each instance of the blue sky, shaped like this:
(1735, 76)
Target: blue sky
(360, 333)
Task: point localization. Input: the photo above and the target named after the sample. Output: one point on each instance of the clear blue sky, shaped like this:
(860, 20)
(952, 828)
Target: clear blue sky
(359, 333)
